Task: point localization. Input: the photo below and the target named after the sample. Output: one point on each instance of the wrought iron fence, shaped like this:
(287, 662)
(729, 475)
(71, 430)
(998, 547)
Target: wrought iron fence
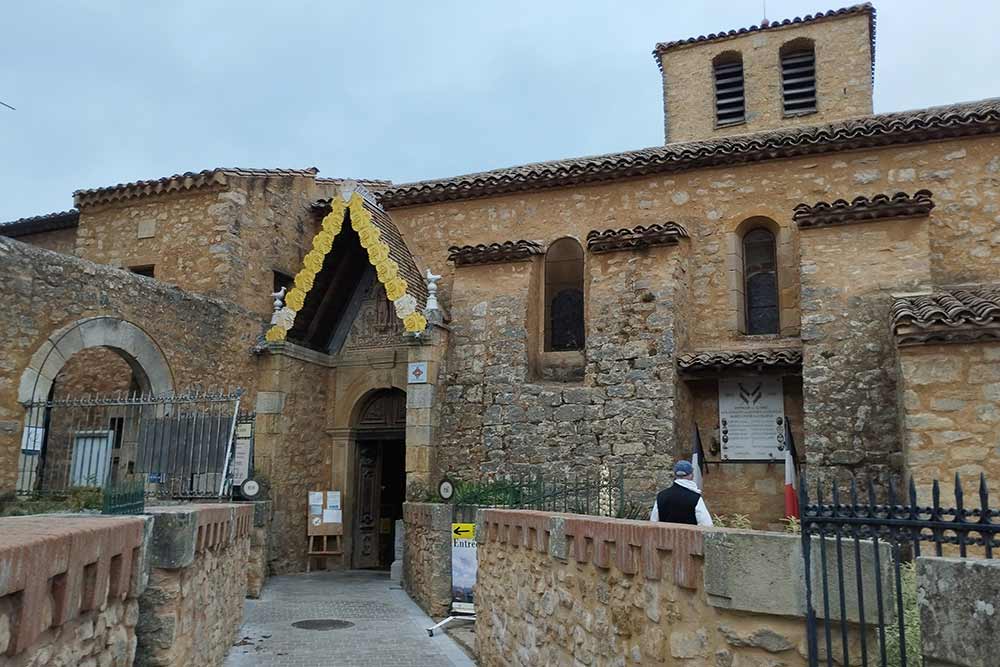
(178, 446)
(601, 493)
(861, 591)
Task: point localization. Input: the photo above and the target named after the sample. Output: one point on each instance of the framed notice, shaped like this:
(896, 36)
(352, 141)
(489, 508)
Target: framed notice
(751, 418)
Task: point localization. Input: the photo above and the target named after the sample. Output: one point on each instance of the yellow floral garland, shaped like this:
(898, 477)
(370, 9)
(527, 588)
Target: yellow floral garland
(386, 270)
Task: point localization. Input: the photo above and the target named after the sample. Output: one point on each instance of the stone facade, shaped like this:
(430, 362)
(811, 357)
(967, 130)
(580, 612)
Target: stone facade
(427, 556)
(843, 48)
(951, 416)
(193, 607)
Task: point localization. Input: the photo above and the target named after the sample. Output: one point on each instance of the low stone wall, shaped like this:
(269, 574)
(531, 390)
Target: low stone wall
(192, 608)
(69, 589)
(559, 589)
(427, 556)
(257, 567)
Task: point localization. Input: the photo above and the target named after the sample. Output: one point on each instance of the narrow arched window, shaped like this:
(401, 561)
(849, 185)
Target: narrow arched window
(760, 275)
(798, 77)
(730, 101)
(564, 326)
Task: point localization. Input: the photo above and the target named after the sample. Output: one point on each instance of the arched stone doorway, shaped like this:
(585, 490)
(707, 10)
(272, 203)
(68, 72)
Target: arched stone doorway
(380, 476)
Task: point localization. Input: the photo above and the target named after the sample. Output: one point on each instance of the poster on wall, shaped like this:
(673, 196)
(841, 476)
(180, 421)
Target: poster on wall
(463, 566)
(751, 418)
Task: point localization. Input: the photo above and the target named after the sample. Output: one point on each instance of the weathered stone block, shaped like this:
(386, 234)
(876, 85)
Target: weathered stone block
(959, 603)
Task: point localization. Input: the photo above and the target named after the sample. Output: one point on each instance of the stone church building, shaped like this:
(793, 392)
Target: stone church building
(785, 253)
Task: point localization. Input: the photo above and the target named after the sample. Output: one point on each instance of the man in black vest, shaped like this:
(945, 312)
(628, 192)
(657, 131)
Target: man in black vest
(681, 502)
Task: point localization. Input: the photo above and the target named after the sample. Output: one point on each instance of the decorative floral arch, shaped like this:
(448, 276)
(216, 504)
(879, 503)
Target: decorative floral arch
(387, 270)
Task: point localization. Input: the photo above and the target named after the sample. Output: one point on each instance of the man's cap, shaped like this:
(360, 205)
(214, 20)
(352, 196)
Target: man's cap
(683, 468)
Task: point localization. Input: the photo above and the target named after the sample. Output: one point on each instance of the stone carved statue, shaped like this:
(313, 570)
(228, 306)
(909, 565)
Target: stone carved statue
(279, 303)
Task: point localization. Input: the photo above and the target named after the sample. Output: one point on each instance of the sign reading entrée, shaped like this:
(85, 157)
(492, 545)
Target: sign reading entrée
(463, 566)
(751, 418)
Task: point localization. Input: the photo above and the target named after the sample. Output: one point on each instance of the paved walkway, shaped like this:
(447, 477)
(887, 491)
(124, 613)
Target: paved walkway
(389, 628)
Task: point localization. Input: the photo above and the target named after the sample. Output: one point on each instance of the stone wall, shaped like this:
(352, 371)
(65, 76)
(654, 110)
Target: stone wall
(260, 545)
(951, 416)
(205, 343)
(843, 78)
(849, 380)
(69, 593)
(565, 589)
(427, 556)
(193, 607)
(958, 601)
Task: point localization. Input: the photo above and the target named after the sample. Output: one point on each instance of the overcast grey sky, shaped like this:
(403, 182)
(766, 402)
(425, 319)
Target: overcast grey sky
(110, 91)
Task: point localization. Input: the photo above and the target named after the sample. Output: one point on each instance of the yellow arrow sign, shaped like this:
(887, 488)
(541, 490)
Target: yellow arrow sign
(463, 531)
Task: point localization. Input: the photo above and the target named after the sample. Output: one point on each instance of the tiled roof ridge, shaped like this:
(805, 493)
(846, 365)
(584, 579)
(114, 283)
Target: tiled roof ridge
(641, 236)
(970, 118)
(960, 314)
(492, 253)
(189, 180)
(862, 208)
(784, 357)
(864, 8)
(40, 223)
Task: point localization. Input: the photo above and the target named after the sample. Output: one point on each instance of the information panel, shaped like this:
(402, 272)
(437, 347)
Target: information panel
(751, 418)
(463, 566)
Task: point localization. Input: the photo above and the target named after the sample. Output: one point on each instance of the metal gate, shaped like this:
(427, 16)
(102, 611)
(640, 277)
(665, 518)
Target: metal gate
(860, 556)
(177, 446)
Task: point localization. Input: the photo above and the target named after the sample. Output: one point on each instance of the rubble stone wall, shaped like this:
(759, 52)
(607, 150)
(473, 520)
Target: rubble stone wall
(427, 556)
(193, 606)
(951, 416)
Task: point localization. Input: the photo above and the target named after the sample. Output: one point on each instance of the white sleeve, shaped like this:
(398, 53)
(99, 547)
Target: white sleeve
(702, 515)
(655, 514)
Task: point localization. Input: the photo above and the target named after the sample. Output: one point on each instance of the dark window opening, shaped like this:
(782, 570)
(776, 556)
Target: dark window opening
(144, 270)
(283, 280)
(760, 273)
(730, 101)
(798, 80)
(564, 305)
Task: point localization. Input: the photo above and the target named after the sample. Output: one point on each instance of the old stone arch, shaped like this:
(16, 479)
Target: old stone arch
(129, 341)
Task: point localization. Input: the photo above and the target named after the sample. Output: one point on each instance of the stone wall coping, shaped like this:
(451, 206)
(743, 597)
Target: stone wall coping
(628, 545)
(180, 532)
(431, 515)
(76, 563)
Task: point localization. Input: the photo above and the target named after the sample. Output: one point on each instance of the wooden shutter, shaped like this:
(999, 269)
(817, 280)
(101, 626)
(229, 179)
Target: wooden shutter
(730, 104)
(798, 82)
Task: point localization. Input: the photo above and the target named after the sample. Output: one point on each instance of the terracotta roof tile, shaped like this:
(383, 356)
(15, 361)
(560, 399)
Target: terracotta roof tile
(493, 253)
(960, 315)
(862, 209)
(740, 359)
(40, 223)
(669, 233)
(865, 8)
(934, 123)
(178, 182)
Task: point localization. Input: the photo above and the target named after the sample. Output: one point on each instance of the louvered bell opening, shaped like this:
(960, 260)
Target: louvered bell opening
(798, 82)
(730, 105)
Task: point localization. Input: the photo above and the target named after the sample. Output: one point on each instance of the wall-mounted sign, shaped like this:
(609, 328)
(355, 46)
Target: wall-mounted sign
(417, 372)
(751, 418)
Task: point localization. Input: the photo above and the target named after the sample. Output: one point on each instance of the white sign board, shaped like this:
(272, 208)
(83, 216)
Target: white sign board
(751, 418)
(241, 460)
(417, 372)
(463, 566)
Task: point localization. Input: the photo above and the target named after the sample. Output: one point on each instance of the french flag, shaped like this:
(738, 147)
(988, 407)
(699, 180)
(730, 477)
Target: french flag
(698, 459)
(791, 495)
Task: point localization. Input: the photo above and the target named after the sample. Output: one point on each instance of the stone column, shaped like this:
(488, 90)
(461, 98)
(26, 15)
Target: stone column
(423, 411)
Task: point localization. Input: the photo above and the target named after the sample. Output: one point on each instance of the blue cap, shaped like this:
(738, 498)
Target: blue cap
(683, 468)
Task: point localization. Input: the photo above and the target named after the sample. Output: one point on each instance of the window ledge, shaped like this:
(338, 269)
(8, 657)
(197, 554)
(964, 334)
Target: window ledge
(731, 123)
(797, 114)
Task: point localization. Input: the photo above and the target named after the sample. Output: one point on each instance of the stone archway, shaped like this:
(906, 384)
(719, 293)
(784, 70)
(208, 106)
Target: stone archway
(134, 345)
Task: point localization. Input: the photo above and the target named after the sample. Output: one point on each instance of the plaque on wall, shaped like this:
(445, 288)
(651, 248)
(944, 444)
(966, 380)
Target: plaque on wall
(751, 418)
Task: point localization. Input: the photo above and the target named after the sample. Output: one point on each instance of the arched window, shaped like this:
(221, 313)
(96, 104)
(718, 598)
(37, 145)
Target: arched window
(798, 77)
(564, 327)
(730, 102)
(760, 282)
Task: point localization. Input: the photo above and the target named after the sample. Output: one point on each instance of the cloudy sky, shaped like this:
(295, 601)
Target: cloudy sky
(109, 91)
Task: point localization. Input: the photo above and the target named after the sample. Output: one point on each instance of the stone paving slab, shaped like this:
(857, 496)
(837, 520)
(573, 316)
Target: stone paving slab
(389, 628)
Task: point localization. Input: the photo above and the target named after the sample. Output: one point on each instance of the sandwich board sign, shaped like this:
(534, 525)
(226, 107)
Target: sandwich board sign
(463, 566)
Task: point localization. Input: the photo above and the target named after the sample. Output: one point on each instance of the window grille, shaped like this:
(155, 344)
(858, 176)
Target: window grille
(798, 82)
(730, 102)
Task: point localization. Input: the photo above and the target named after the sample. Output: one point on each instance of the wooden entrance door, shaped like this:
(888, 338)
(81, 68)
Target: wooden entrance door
(366, 531)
